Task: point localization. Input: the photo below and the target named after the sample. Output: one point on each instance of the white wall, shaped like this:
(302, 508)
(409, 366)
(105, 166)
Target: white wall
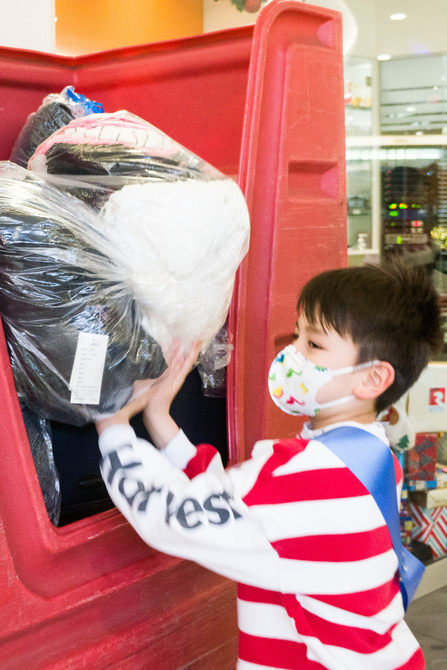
(364, 12)
(28, 24)
(223, 14)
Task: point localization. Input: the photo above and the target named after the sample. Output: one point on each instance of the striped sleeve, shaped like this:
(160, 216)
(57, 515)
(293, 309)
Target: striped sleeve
(339, 584)
(197, 513)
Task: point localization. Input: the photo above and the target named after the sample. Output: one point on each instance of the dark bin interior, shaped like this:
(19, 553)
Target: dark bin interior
(76, 452)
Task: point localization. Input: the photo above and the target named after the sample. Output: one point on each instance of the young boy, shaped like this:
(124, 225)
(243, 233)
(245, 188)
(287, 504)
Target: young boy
(318, 581)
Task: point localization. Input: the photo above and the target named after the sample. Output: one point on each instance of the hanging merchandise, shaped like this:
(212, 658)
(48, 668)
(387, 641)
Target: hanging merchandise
(56, 110)
(132, 246)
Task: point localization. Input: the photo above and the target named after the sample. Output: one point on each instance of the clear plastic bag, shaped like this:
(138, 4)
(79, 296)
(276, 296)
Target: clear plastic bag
(213, 364)
(118, 144)
(186, 224)
(142, 251)
(60, 278)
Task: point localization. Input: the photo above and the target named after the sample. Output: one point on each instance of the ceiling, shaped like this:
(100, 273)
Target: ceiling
(423, 31)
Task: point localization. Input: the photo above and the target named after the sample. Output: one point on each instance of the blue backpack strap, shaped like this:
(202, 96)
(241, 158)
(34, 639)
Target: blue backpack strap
(371, 461)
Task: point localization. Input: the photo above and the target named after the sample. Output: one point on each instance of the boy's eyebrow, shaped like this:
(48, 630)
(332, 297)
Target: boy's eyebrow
(313, 326)
(315, 329)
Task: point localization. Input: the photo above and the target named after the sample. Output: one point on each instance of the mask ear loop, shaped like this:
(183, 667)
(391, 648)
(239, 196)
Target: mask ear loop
(344, 371)
(339, 401)
(354, 368)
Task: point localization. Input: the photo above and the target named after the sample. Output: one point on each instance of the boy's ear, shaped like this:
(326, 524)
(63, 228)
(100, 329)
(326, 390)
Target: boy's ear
(375, 380)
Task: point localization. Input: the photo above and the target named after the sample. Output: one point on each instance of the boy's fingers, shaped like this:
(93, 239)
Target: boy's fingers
(194, 352)
(181, 361)
(179, 367)
(142, 390)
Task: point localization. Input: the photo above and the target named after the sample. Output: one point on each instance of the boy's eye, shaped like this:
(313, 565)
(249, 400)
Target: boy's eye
(314, 345)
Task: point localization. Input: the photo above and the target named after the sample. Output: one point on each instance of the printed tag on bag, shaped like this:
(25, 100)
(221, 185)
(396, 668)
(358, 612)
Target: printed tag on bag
(88, 369)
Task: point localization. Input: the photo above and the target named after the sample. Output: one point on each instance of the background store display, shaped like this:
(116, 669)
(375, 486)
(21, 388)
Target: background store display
(409, 213)
(430, 528)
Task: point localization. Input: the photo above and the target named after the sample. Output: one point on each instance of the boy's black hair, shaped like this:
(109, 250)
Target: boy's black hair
(391, 311)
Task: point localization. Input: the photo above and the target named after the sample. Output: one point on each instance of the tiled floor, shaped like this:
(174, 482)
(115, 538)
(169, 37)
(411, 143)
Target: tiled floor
(427, 619)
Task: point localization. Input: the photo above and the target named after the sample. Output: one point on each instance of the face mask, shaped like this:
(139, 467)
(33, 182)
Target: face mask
(294, 382)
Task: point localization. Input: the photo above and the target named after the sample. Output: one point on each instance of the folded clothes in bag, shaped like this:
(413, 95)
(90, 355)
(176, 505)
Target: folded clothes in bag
(182, 223)
(55, 111)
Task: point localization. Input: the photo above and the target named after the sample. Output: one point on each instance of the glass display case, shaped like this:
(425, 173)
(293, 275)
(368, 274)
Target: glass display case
(413, 95)
(361, 185)
(359, 122)
(396, 175)
(397, 202)
(396, 130)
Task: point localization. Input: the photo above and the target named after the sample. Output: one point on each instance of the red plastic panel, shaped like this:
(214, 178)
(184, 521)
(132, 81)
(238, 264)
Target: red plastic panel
(186, 89)
(192, 89)
(92, 594)
(293, 173)
(195, 91)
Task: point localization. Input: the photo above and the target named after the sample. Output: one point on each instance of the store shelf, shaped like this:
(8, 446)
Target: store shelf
(363, 252)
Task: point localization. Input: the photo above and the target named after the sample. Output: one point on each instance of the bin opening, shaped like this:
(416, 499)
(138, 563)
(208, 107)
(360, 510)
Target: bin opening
(118, 233)
(76, 452)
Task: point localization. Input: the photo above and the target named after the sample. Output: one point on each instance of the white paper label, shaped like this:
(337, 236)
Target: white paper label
(88, 369)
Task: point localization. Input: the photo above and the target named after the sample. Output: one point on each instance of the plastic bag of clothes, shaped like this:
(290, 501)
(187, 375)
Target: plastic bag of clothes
(150, 179)
(106, 264)
(118, 144)
(213, 365)
(56, 111)
(61, 282)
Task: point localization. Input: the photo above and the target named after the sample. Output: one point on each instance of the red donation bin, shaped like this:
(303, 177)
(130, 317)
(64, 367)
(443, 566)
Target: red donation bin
(264, 105)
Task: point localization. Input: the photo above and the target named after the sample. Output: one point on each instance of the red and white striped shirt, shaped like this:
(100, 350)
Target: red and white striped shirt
(318, 586)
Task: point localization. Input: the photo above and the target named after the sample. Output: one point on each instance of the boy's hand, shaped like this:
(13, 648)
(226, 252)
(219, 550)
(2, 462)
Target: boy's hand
(156, 417)
(140, 397)
(164, 390)
(155, 397)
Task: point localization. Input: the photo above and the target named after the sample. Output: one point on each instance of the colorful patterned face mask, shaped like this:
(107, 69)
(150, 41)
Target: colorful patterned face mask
(294, 382)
